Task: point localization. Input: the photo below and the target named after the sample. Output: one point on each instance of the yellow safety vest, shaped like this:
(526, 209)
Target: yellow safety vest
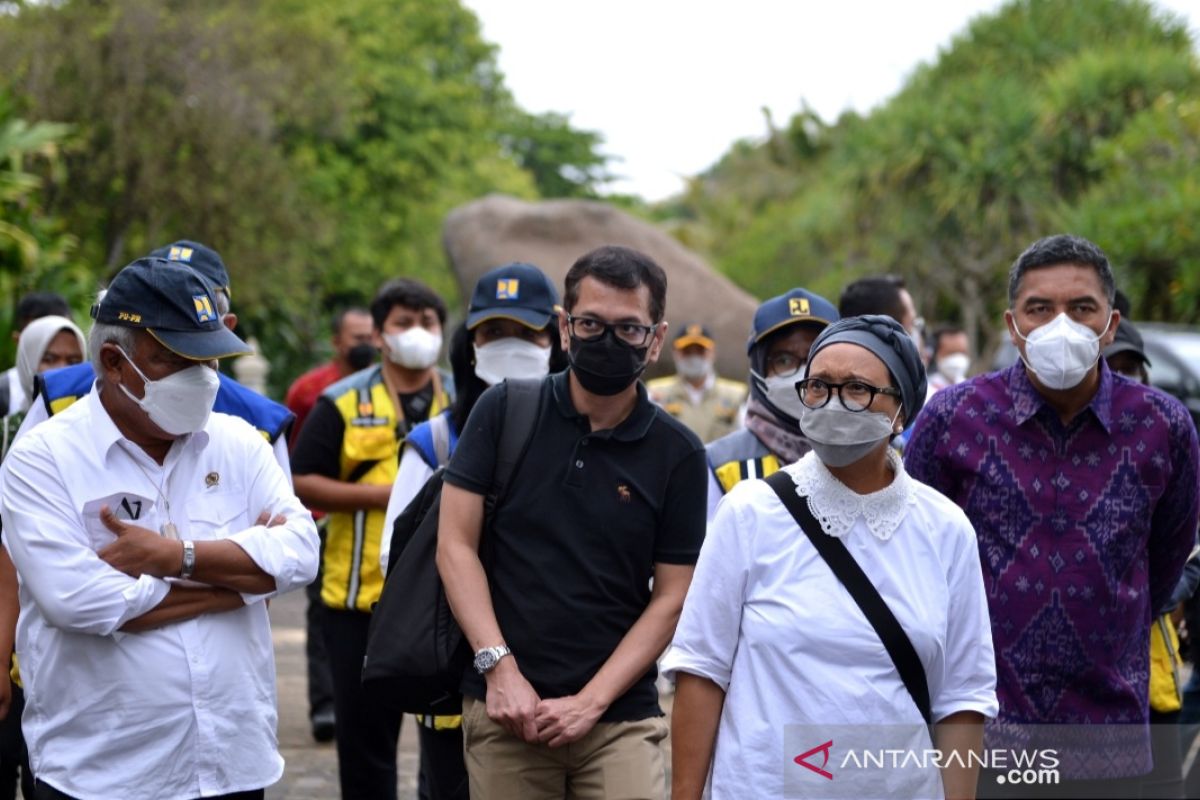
(370, 455)
(1165, 688)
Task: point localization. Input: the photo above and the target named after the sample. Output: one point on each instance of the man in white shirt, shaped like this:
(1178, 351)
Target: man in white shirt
(147, 532)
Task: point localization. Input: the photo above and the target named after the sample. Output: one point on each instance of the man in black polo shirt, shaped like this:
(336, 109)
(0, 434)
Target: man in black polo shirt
(564, 623)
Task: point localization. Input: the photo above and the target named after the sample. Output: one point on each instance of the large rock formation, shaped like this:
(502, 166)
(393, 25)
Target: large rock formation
(553, 234)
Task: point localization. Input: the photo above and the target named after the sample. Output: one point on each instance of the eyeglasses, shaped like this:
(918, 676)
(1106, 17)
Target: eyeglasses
(631, 333)
(854, 395)
(784, 365)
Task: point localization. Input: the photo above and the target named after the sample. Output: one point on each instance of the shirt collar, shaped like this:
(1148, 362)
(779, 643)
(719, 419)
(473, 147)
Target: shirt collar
(633, 427)
(1027, 400)
(106, 435)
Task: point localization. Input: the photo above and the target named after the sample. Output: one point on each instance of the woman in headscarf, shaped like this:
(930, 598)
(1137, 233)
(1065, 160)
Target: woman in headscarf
(779, 669)
(46, 343)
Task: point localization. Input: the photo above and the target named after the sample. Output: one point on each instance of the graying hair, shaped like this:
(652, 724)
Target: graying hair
(222, 303)
(120, 335)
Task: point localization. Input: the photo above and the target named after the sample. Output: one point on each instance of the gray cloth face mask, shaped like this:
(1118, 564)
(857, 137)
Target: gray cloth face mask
(841, 437)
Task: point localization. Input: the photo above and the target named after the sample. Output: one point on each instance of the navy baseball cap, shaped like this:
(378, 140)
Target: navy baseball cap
(798, 305)
(199, 257)
(519, 292)
(1128, 339)
(174, 304)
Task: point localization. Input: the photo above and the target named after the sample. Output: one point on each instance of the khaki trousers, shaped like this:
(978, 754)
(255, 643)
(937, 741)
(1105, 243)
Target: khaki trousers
(614, 761)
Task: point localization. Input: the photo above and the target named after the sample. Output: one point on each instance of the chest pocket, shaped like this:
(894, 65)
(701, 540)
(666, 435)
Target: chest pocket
(374, 443)
(216, 515)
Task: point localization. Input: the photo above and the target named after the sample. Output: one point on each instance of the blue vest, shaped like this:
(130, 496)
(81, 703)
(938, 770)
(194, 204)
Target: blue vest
(60, 388)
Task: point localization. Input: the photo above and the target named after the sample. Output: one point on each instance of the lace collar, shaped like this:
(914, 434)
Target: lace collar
(837, 507)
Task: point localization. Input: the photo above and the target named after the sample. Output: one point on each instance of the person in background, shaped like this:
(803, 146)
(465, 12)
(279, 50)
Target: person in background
(46, 343)
(1083, 490)
(771, 639)
(695, 395)
(783, 329)
(352, 350)
(885, 294)
(345, 463)
(951, 357)
(13, 397)
(511, 331)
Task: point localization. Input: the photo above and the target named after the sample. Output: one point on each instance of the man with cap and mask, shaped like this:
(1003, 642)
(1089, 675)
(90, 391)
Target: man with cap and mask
(776, 645)
(695, 395)
(146, 557)
(784, 329)
(564, 620)
(1082, 488)
(344, 463)
(59, 389)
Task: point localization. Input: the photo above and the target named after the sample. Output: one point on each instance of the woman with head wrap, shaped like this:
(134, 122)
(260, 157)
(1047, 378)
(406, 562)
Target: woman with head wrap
(46, 343)
(780, 671)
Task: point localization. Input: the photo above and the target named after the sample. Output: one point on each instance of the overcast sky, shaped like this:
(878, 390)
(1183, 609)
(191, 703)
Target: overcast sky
(672, 83)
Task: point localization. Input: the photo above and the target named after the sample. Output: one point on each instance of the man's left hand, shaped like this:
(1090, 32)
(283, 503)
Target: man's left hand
(139, 551)
(566, 719)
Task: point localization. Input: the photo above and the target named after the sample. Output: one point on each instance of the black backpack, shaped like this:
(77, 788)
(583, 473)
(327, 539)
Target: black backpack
(416, 653)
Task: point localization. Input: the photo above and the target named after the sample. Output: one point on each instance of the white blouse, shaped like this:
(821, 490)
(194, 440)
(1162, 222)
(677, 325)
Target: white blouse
(766, 620)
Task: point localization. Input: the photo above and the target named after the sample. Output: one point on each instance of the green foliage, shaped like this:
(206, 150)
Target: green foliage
(36, 253)
(317, 146)
(1047, 115)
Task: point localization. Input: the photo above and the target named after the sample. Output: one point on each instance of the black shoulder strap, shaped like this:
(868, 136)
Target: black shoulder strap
(521, 406)
(847, 570)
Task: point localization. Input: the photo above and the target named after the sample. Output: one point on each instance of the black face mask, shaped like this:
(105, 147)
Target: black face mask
(606, 365)
(361, 356)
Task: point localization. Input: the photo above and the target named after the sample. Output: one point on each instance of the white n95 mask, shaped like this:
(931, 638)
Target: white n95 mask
(179, 403)
(1062, 352)
(415, 348)
(510, 358)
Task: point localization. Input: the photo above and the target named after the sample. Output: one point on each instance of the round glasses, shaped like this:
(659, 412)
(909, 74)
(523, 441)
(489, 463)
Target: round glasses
(853, 395)
(589, 328)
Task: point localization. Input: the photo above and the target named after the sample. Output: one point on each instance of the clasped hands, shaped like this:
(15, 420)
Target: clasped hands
(513, 704)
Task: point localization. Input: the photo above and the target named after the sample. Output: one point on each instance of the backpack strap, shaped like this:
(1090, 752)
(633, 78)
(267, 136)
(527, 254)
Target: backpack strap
(847, 570)
(522, 405)
(439, 430)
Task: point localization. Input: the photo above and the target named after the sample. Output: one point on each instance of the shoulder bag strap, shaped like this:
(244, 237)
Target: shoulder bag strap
(522, 400)
(847, 570)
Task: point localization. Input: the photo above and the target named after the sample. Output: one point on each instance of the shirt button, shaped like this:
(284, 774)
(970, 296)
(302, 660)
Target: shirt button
(579, 464)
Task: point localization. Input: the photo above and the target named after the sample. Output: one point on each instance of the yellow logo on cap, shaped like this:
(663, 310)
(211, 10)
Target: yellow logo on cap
(204, 309)
(695, 330)
(126, 316)
(798, 307)
(177, 253)
(508, 289)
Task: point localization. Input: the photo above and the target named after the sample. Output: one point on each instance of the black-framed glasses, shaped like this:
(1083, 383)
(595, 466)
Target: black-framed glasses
(631, 333)
(854, 395)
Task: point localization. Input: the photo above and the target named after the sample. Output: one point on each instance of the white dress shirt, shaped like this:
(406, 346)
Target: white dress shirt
(766, 620)
(181, 711)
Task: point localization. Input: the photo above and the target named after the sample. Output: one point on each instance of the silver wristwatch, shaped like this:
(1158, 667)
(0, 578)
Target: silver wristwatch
(487, 658)
(189, 560)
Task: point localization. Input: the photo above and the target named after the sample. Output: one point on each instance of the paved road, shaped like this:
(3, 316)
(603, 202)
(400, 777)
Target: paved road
(311, 771)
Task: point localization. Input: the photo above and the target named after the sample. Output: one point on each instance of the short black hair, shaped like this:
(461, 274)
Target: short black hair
(622, 268)
(36, 305)
(946, 329)
(408, 293)
(1056, 250)
(341, 315)
(879, 294)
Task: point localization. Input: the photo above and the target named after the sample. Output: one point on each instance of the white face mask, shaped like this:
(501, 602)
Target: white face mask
(1062, 352)
(510, 358)
(179, 403)
(954, 367)
(693, 368)
(781, 392)
(841, 437)
(415, 348)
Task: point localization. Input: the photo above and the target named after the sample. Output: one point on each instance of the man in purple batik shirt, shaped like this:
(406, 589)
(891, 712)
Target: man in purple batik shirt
(1082, 487)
